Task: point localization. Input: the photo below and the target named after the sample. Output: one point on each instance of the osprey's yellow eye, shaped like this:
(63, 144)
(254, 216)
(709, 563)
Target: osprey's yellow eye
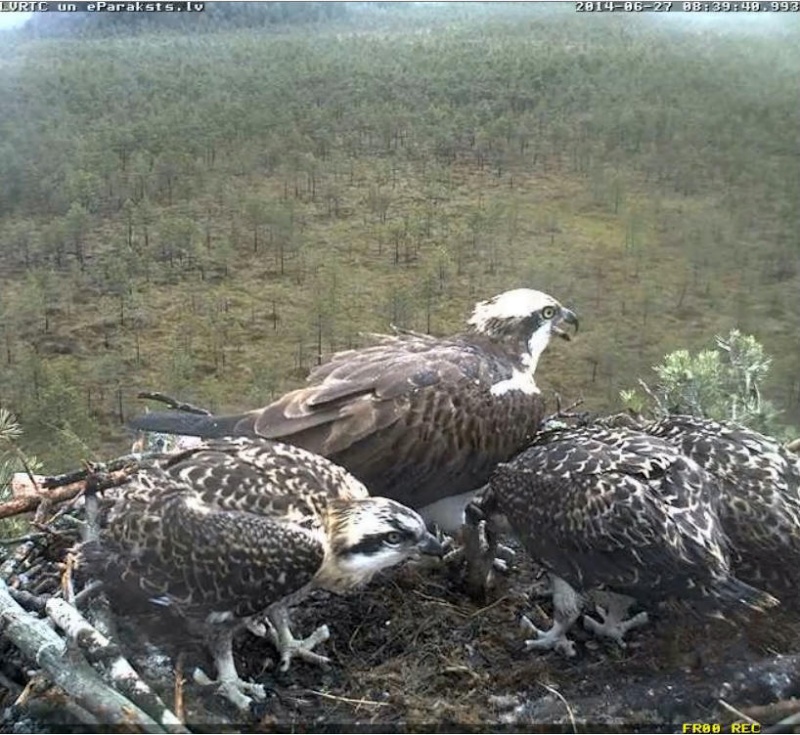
(549, 312)
(394, 538)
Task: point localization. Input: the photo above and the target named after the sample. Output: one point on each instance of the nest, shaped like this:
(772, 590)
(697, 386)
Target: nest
(410, 652)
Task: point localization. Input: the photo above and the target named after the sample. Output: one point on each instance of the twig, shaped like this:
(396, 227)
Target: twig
(435, 600)
(568, 412)
(173, 403)
(28, 503)
(67, 588)
(736, 713)
(87, 592)
(20, 539)
(9, 566)
(489, 607)
(28, 600)
(646, 388)
(123, 675)
(348, 700)
(566, 704)
(91, 529)
(72, 673)
(24, 462)
(91, 471)
(180, 710)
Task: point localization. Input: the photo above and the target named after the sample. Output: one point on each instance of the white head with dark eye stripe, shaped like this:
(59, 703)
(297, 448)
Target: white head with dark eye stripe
(520, 313)
(368, 535)
(524, 320)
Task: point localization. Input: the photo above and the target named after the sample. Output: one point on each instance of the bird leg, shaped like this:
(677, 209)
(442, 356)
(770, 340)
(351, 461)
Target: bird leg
(484, 555)
(237, 691)
(288, 646)
(613, 611)
(567, 604)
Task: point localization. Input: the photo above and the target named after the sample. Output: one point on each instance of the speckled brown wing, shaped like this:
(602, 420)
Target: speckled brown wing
(163, 537)
(619, 509)
(359, 393)
(412, 417)
(759, 495)
(263, 477)
(417, 424)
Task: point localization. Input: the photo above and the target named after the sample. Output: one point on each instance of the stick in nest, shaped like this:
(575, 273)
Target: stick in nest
(122, 674)
(180, 710)
(566, 413)
(736, 713)
(570, 713)
(348, 700)
(67, 588)
(47, 649)
(61, 493)
(173, 403)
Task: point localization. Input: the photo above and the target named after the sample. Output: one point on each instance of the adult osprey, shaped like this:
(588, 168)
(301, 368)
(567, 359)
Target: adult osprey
(621, 510)
(234, 531)
(759, 500)
(419, 419)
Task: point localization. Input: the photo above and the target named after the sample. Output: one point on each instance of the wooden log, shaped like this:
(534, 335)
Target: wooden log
(123, 675)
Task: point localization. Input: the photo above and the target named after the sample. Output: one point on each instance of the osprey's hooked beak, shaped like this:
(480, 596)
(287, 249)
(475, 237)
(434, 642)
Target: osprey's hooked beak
(566, 316)
(430, 545)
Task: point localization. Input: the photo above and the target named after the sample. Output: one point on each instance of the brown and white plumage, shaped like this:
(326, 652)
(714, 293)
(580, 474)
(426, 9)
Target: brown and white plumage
(759, 501)
(622, 510)
(234, 530)
(417, 418)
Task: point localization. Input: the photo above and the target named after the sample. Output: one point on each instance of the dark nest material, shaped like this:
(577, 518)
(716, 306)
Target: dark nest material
(410, 652)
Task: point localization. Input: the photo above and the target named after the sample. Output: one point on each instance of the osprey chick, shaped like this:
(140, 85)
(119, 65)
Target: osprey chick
(621, 510)
(420, 419)
(236, 530)
(759, 495)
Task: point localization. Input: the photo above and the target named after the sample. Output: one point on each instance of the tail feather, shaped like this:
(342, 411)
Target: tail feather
(736, 591)
(189, 424)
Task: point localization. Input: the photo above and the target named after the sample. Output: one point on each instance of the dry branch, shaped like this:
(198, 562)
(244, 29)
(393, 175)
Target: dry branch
(28, 502)
(71, 672)
(123, 675)
(9, 566)
(173, 403)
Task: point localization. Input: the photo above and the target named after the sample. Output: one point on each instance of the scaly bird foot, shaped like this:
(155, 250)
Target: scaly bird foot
(290, 647)
(554, 639)
(238, 692)
(614, 625)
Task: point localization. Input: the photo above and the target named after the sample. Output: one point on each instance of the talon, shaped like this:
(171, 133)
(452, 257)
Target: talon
(290, 647)
(554, 639)
(453, 556)
(302, 649)
(500, 565)
(237, 691)
(614, 626)
(256, 628)
(480, 555)
(505, 553)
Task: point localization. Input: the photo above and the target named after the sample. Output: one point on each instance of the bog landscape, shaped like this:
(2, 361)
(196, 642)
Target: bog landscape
(209, 205)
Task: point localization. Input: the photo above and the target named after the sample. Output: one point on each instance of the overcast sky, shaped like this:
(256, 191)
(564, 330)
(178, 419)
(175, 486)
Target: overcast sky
(12, 20)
